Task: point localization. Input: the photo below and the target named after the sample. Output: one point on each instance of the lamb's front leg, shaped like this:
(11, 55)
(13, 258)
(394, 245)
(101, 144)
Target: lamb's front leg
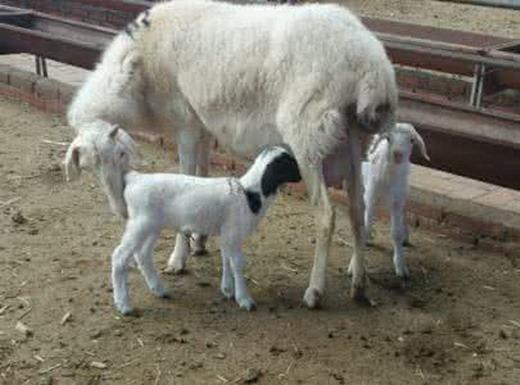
(131, 241)
(398, 237)
(234, 254)
(227, 284)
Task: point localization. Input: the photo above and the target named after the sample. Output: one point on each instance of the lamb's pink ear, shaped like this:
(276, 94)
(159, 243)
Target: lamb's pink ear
(71, 161)
(113, 133)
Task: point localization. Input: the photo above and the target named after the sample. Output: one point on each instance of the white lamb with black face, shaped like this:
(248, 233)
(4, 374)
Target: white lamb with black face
(228, 207)
(385, 176)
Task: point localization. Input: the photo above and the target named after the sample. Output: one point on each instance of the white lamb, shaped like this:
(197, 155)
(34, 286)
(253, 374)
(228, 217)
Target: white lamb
(229, 207)
(311, 76)
(385, 176)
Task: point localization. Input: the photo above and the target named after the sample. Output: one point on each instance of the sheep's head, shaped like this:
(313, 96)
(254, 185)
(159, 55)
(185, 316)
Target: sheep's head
(401, 140)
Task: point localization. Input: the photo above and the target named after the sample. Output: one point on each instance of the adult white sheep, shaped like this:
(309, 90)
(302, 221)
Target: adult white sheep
(385, 177)
(228, 207)
(310, 76)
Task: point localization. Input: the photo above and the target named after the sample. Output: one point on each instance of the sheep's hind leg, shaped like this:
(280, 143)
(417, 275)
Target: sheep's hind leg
(198, 241)
(325, 219)
(356, 209)
(187, 149)
(144, 260)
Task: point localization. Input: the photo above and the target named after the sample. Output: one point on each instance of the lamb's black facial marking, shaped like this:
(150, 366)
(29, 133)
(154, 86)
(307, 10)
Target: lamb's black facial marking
(253, 201)
(282, 169)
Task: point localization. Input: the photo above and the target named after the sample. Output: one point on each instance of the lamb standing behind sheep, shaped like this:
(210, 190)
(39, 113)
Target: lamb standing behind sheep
(311, 76)
(385, 176)
(228, 207)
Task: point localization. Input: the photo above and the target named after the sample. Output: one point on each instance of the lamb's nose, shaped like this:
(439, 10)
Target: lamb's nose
(398, 157)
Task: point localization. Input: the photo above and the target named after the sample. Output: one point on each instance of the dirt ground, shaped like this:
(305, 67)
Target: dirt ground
(459, 322)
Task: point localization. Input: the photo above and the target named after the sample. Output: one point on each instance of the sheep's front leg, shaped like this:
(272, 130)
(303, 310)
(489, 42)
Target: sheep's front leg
(325, 220)
(144, 260)
(356, 211)
(398, 237)
(234, 254)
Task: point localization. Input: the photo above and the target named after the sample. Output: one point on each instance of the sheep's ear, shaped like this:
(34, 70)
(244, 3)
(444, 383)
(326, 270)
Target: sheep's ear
(71, 161)
(418, 140)
(113, 134)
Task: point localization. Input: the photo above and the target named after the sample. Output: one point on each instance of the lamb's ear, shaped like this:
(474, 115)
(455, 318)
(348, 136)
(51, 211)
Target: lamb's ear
(418, 140)
(71, 161)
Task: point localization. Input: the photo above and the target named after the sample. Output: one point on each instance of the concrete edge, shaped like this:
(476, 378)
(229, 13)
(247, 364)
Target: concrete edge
(425, 207)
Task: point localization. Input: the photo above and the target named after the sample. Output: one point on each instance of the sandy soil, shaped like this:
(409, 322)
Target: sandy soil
(459, 323)
(445, 14)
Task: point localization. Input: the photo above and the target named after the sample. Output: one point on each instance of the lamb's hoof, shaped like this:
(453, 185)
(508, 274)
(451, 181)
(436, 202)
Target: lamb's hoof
(172, 270)
(229, 293)
(312, 298)
(404, 281)
(247, 304)
(125, 310)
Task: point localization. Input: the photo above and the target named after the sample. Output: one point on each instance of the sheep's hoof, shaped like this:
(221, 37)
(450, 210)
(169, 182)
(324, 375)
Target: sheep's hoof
(312, 298)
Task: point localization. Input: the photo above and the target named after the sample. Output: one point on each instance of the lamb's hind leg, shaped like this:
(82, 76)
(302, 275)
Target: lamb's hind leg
(325, 220)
